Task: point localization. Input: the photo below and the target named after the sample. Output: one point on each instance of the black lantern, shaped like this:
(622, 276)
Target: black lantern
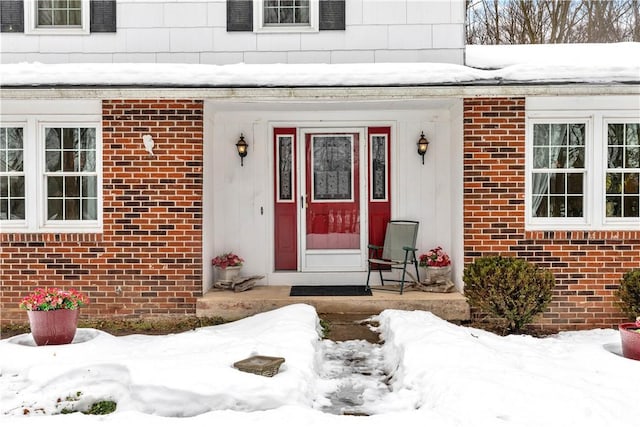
(242, 145)
(423, 144)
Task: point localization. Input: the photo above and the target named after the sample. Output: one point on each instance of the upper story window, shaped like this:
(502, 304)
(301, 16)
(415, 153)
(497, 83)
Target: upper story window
(286, 15)
(59, 13)
(286, 12)
(57, 16)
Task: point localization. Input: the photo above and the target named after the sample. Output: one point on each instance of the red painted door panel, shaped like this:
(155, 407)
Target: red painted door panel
(286, 207)
(332, 191)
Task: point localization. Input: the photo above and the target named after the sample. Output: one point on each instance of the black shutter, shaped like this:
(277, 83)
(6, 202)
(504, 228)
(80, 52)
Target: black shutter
(239, 15)
(103, 16)
(11, 16)
(332, 15)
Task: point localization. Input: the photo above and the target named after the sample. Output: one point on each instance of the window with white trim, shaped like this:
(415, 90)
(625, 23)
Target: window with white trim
(286, 15)
(12, 182)
(583, 173)
(57, 16)
(286, 12)
(70, 174)
(558, 173)
(50, 176)
(622, 180)
(58, 13)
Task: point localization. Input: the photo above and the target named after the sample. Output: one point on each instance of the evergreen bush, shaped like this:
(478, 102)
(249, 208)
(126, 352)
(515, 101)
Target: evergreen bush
(509, 288)
(629, 293)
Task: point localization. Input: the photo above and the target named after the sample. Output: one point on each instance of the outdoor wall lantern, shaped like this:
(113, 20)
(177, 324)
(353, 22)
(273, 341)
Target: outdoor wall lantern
(242, 145)
(423, 144)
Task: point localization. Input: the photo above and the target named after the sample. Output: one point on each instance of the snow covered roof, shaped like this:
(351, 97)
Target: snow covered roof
(486, 65)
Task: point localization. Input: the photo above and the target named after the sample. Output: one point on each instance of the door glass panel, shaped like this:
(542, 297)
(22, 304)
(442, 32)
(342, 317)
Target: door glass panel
(285, 163)
(379, 167)
(332, 168)
(333, 211)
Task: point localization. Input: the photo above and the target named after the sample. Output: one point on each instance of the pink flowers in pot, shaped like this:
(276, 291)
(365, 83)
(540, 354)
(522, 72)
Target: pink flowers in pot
(435, 257)
(47, 299)
(227, 260)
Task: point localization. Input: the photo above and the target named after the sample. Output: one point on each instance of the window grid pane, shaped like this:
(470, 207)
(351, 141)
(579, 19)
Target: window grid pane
(286, 12)
(70, 156)
(59, 13)
(622, 180)
(558, 170)
(12, 179)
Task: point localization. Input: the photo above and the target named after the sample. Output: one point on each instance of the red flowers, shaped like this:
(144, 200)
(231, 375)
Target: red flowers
(45, 299)
(435, 257)
(227, 260)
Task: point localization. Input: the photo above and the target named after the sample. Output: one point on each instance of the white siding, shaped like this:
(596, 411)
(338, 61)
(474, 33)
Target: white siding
(195, 32)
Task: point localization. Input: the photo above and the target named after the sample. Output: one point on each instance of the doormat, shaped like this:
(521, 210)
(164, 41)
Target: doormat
(329, 291)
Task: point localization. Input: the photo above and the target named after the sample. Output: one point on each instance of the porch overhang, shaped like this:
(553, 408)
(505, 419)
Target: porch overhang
(319, 94)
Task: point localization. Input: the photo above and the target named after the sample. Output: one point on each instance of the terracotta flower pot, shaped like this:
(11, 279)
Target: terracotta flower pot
(630, 340)
(53, 327)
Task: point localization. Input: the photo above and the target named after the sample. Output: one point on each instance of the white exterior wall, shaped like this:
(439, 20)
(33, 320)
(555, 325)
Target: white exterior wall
(195, 32)
(233, 195)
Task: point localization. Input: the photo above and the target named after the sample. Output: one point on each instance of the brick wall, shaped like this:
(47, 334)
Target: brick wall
(147, 262)
(588, 265)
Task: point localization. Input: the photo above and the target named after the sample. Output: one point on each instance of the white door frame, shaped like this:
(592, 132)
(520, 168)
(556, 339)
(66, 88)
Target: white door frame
(318, 260)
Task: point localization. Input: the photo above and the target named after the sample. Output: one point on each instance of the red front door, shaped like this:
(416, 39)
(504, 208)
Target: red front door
(332, 196)
(332, 191)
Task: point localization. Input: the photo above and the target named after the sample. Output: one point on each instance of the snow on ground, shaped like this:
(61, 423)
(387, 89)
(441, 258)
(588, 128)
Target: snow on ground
(586, 63)
(442, 375)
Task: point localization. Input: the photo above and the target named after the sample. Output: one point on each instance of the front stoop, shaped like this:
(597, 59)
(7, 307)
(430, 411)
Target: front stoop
(237, 305)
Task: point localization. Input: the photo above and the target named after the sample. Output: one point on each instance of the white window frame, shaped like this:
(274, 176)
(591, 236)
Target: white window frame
(18, 223)
(614, 221)
(595, 168)
(35, 177)
(260, 27)
(31, 21)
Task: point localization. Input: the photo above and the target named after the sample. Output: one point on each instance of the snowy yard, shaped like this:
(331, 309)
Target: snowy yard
(428, 372)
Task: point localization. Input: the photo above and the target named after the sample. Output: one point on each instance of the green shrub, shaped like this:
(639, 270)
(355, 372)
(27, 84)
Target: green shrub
(629, 293)
(102, 407)
(511, 289)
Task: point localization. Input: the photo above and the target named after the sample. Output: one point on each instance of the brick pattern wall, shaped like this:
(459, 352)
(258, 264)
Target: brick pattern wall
(147, 262)
(588, 265)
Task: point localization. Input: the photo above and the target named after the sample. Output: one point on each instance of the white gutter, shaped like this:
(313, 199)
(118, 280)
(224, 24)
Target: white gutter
(321, 93)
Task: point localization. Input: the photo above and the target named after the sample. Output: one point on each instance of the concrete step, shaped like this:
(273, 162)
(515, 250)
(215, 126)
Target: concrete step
(237, 305)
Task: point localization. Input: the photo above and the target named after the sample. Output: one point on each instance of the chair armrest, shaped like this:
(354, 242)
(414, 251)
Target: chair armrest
(370, 246)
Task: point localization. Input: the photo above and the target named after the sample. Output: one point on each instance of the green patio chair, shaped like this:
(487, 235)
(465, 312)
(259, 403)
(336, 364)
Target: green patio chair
(398, 252)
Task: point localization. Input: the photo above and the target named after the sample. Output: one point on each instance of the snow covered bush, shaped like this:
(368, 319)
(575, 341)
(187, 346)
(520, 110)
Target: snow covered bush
(511, 289)
(629, 293)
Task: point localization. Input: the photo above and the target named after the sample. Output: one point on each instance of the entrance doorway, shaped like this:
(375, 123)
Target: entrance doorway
(332, 183)
(331, 196)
